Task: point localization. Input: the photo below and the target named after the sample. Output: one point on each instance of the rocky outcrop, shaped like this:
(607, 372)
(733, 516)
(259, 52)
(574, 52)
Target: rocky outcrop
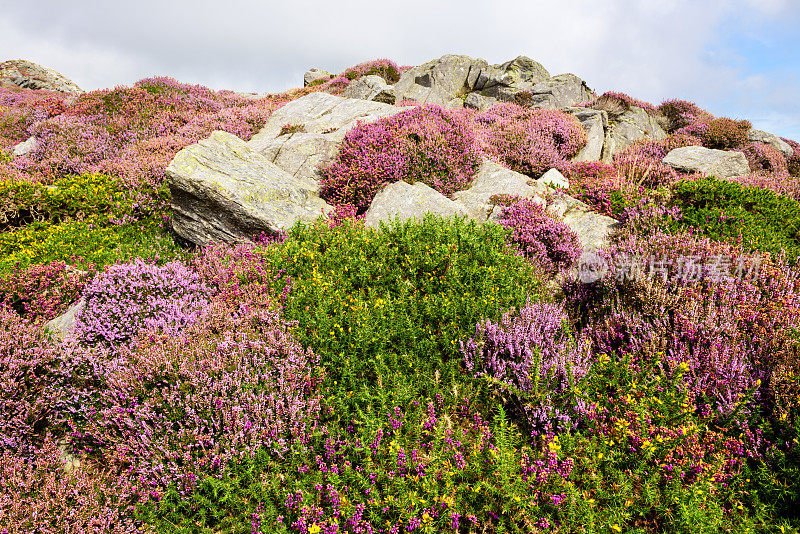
(456, 81)
(403, 201)
(316, 75)
(759, 136)
(29, 75)
(301, 154)
(708, 161)
(625, 129)
(372, 88)
(321, 113)
(595, 123)
(223, 190)
(494, 179)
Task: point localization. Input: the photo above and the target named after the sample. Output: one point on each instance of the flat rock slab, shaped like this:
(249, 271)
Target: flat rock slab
(321, 113)
(708, 161)
(372, 88)
(62, 325)
(301, 154)
(223, 190)
(403, 201)
(494, 179)
(595, 123)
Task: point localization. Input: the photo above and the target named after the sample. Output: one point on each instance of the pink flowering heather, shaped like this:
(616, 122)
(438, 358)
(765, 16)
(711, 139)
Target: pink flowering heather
(425, 143)
(765, 159)
(678, 295)
(131, 132)
(39, 495)
(793, 161)
(183, 406)
(531, 352)
(541, 236)
(618, 103)
(681, 114)
(43, 291)
(530, 141)
(135, 296)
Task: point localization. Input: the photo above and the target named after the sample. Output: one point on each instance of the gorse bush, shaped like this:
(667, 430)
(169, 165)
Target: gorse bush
(386, 307)
(758, 219)
(128, 298)
(425, 143)
(540, 236)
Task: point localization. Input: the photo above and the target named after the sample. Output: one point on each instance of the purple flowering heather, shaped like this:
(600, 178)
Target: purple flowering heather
(531, 356)
(182, 406)
(426, 143)
(540, 236)
(135, 296)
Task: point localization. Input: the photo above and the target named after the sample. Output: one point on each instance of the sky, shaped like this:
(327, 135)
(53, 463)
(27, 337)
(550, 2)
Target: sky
(735, 58)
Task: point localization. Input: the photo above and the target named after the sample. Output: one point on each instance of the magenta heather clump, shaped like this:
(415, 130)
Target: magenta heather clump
(234, 382)
(425, 143)
(530, 141)
(541, 236)
(531, 354)
(130, 297)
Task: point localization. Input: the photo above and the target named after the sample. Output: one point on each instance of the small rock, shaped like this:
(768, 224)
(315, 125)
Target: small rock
(494, 179)
(30, 75)
(553, 178)
(759, 136)
(316, 74)
(62, 325)
(25, 147)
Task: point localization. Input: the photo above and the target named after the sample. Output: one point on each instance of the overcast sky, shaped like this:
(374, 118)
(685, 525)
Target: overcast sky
(737, 58)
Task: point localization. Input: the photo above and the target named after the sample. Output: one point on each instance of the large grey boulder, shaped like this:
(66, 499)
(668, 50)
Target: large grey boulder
(595, 123)
(708, 161)
(401, 200)
(593, 229)
(494, 179)
(301, 154)
(456, 81)
(633, 125)
(560, 91)
(313, 75)
(30, 75)
(759, 136)
(442, 81)
(321, 113)
(63, 325)
(371, 87)
(223, 190)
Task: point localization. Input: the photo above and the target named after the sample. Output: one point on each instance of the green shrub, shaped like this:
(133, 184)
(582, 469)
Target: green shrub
(92, 240)
(727, 211)
(388, 308)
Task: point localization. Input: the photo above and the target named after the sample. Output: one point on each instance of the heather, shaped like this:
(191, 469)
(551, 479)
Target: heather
(426, 143)
(530, 141)
(432, 375)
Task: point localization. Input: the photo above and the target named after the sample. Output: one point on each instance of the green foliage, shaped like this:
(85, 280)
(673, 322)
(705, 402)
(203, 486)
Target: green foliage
(93, 240)
(385, 310)
(727, 211)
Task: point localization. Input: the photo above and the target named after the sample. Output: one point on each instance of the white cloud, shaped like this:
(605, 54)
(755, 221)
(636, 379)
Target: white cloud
(651, 50)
